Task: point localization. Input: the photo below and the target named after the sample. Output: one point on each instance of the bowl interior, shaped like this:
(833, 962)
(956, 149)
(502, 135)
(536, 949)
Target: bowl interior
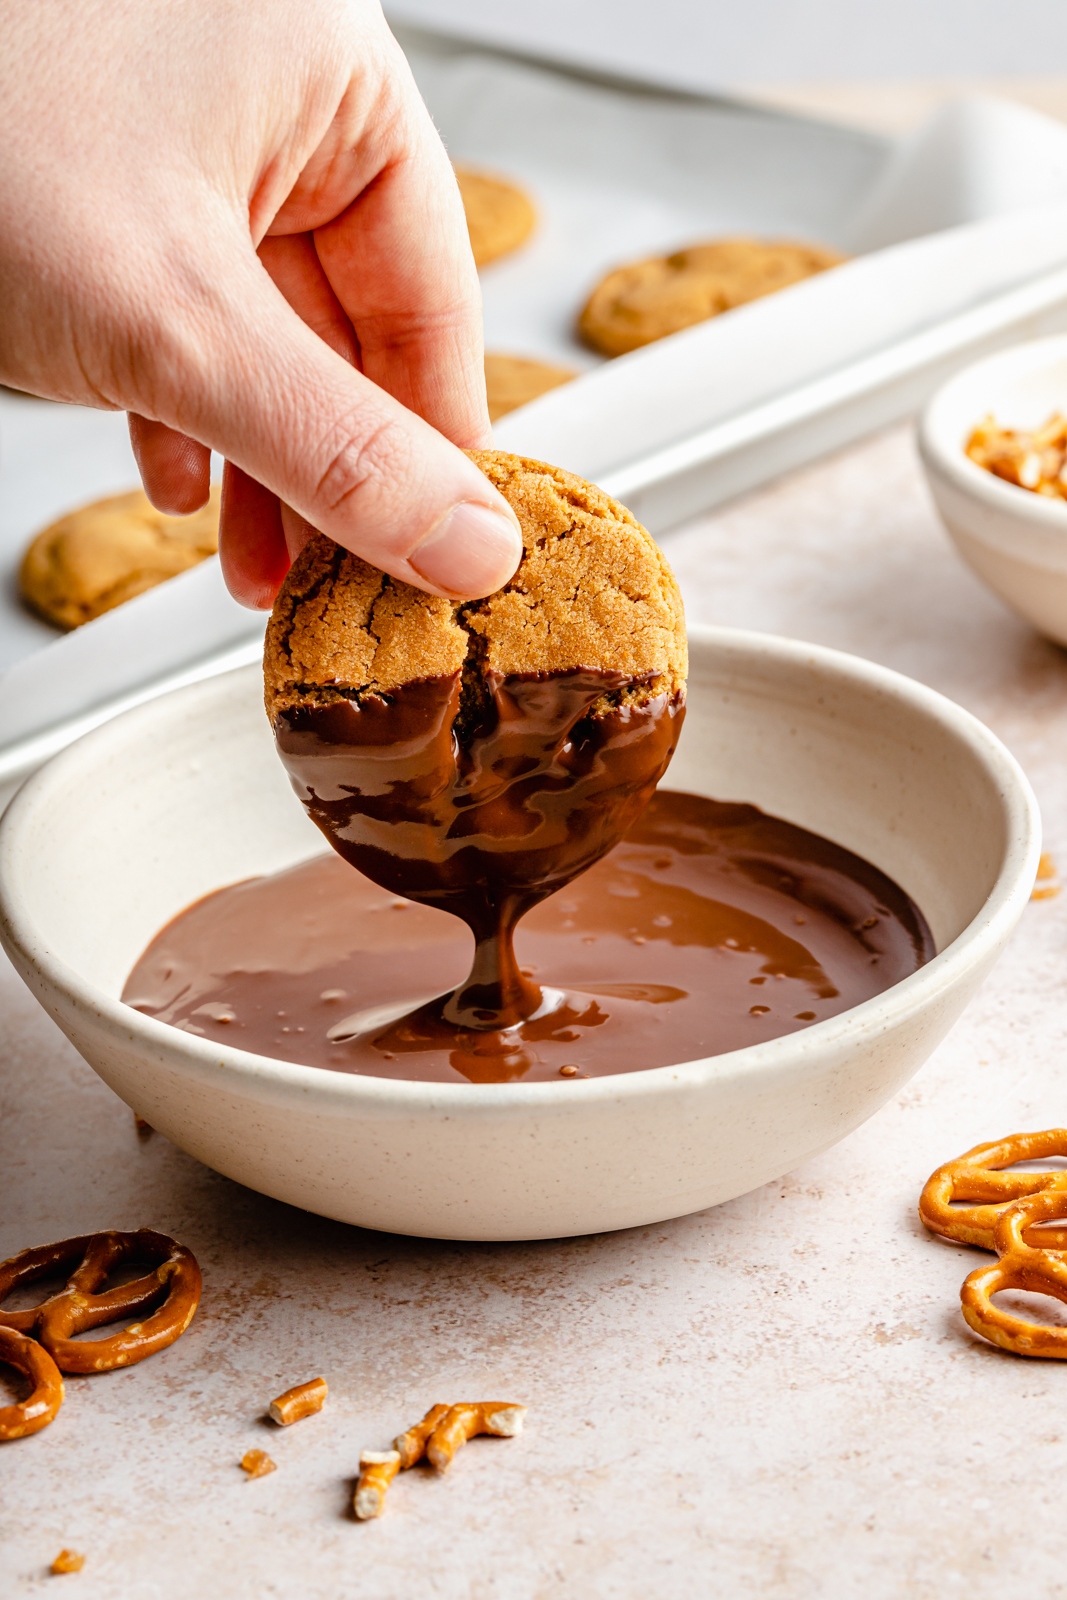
(1020, 387)
(183, 795)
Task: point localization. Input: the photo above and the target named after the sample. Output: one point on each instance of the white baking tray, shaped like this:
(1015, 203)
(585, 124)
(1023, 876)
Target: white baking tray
(959, 235)
(960, 238)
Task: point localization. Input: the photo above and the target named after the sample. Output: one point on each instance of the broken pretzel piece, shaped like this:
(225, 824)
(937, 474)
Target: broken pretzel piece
(377, 1469)
(411, 1446)
(257, 1463)
(67, 1561)
(303, 1400)
(445, 1429)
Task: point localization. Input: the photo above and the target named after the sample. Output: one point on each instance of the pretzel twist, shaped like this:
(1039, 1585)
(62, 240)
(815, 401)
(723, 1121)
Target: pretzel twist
(40, 1406)
(978, 1176)
(1021, 1266)
(171, 1291)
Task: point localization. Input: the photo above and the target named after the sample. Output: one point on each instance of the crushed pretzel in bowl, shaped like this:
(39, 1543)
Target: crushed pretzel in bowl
(1034, 460)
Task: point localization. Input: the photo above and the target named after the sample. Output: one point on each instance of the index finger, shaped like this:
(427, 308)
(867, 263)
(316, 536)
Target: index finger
(399, 261)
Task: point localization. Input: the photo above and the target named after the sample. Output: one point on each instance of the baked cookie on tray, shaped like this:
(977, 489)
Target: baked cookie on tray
(94, 558)
(646, 300)
(500, 216)
(513, 381)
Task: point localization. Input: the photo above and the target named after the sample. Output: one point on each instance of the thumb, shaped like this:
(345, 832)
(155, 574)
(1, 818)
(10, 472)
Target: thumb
(294, 416)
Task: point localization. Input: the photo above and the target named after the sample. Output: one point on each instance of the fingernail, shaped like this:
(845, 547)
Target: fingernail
(471, 552)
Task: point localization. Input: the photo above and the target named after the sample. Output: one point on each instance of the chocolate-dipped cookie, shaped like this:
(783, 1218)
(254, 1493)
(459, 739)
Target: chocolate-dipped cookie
(477, 756)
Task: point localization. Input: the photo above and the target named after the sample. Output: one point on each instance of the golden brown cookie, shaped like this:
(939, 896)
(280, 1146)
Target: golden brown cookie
(642, 302)
(593, 590)
(500, 216)
(512, 381)
(94, 558)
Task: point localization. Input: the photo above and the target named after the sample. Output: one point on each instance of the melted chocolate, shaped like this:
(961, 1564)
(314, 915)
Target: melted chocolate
(710, 927)
(482, 800)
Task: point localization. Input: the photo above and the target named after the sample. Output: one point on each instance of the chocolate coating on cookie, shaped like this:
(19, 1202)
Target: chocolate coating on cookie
(479, 756)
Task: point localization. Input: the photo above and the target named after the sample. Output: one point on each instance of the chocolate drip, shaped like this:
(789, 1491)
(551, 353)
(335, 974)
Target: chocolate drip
(482, 805)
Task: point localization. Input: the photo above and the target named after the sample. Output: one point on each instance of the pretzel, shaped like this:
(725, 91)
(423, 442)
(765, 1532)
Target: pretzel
(445, 1429)
(1021, 1266)
(257, 1463)
(67, 1561)
(39, 1409)
(302, 1401)
(411, 1446)
(377, 1469)
(978, 1175)
(173, 1286)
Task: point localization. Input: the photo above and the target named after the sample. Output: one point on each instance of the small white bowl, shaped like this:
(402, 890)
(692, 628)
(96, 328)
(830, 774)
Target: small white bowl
(1016, 541)
(173, 799)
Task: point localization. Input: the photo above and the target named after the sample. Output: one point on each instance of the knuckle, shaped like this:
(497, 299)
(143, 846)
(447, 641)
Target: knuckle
(362, 462)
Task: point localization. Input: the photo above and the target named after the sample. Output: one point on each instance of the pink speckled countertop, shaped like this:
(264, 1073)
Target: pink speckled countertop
(777, 1397)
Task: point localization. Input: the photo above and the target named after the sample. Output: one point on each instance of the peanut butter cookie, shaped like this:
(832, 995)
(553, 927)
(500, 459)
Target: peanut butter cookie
(500, 216)
(94, 558)
(593, 590)
(513, 381)
(645, 301)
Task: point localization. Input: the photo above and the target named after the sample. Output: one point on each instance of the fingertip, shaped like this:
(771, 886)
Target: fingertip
(252, 546)
(175, 470)
(471, 551)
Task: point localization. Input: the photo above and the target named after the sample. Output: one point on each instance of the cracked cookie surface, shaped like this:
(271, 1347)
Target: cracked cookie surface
(593, 590)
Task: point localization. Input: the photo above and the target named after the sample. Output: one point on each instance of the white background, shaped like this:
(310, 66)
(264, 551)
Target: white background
(710, 43)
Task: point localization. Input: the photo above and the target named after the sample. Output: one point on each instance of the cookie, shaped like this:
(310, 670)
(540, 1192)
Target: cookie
(500, 216)
(512, 381)
(94, 558)
(637, 304)
(593, 590)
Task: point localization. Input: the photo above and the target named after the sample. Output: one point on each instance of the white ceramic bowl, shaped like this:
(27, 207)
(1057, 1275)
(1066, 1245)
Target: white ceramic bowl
(1016, 541)
(173, 799)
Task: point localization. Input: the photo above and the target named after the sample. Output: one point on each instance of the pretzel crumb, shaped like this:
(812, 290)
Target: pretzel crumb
(67, 1561)
(303, 1400)
(377, 1469)
(1047, 885)
(257, 1463)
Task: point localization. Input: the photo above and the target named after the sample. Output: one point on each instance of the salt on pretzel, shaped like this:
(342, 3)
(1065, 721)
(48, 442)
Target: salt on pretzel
(445, 1429)
(40, 1407)
(979, 1176)
(171, 1290)
(1021, 1266)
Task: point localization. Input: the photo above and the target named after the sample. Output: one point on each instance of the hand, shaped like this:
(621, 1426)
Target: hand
(236, 221)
